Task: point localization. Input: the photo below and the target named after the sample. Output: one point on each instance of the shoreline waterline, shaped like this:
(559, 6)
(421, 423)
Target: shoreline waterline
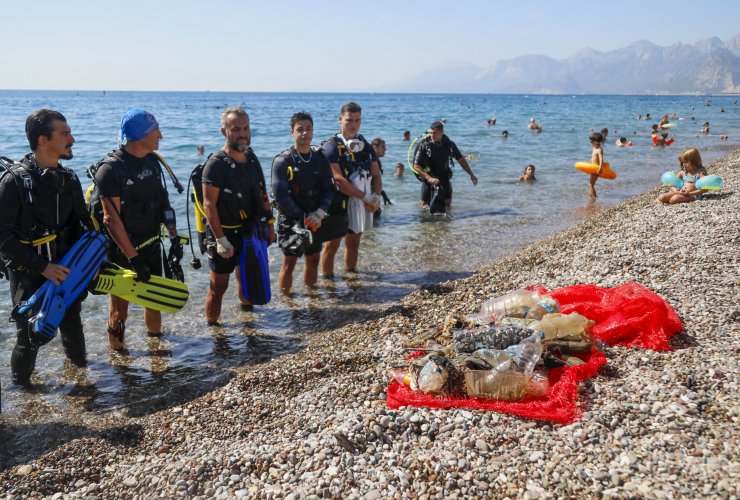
(315, 422)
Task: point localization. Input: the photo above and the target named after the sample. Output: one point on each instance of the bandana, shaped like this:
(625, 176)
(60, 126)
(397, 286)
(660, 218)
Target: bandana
(136, 124)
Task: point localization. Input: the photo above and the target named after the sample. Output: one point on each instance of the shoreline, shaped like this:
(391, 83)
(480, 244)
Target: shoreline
(316, 423)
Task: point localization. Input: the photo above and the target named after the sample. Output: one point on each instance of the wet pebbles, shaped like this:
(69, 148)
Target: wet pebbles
(315, 424)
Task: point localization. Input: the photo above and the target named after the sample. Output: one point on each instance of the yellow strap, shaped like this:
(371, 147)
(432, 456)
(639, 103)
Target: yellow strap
(148, 242)
(238, 226)
(290, 173)
(41, 241)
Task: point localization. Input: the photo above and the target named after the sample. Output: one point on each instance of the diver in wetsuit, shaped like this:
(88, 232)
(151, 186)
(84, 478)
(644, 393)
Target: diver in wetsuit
(42, 214)
(432, 164)
(303, 188)
(135, 203)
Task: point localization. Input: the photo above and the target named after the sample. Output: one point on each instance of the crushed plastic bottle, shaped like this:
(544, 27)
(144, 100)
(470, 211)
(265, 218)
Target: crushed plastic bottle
(497, 359)
(404, 377)
(537, 384)
(526, 353)
(514, 304)
(546, 305)
(563, 326)
(508, 385)
(488, 337)
(433, 375)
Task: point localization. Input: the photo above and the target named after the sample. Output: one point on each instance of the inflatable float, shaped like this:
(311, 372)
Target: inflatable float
(710, 183)
(671, 179)
(668, 142)
(622, 143)
(592, 168)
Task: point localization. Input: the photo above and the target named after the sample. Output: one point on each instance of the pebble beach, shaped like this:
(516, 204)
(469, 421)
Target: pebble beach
(315, 424)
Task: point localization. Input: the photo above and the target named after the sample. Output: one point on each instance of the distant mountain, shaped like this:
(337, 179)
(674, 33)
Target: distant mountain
(708, 66)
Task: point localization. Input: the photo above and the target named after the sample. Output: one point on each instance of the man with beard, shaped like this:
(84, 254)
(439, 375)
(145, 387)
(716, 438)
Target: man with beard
(42, 214)
(234, 200)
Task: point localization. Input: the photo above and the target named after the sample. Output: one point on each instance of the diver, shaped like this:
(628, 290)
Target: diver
(432, 164)
(236, 207)
(303, 189)
(135, 203)
(380, 148)
(42, 215)
(358, 182)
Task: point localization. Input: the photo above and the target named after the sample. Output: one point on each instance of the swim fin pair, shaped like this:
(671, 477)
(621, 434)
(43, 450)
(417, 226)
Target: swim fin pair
(254, 270)
(83, 260)
(160, 294)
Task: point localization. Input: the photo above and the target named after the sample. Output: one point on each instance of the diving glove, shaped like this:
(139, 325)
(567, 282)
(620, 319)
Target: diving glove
(224, 247)
(313, 220)
(140, 268)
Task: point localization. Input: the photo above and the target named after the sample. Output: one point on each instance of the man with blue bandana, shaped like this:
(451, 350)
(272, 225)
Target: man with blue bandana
(135, 202)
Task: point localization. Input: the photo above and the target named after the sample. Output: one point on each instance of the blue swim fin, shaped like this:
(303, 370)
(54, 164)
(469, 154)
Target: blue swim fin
(83, 260)
(254, 270)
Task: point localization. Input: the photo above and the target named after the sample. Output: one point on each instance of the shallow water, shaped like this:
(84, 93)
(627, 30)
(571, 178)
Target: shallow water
(405, 250)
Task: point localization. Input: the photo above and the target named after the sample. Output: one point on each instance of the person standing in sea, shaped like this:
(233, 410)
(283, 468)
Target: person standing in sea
(234, 197)
(357, 178)
(39, 196)
(303, 189)
(432, 164)
(135, 203)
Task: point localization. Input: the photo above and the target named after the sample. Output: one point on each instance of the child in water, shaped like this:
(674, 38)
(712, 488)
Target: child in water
(691, 171)
(528, 174)
(597, 158)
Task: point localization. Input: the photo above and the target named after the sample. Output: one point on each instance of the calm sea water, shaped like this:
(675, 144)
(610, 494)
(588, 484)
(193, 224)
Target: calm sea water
(406, 249)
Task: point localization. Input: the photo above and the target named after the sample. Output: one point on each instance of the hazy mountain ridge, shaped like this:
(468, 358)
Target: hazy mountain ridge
(708, 66)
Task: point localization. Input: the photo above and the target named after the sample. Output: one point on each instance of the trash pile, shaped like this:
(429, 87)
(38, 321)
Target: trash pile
(504, 352)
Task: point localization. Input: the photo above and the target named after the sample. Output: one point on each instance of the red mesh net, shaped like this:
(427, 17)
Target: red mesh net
(558, 405)
(627, 315)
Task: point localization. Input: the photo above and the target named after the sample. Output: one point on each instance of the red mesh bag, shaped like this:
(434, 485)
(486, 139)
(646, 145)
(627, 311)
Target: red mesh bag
(628, 315)
(560, 404)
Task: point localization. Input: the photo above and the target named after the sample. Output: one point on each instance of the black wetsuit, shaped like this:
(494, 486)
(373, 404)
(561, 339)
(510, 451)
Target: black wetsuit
(336, 224)
(301, 186)
(242, 203)
(144, 200)
(434, 159)
(56, 206)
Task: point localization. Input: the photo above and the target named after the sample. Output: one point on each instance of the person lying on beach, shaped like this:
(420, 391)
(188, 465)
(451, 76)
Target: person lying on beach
(691, 171)
(528, 174)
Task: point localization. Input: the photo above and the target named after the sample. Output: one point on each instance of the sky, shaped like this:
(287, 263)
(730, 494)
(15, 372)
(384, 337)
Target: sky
(263, 46)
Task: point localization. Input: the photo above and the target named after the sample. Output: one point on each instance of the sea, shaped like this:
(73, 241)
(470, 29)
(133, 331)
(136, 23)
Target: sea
(406, 250)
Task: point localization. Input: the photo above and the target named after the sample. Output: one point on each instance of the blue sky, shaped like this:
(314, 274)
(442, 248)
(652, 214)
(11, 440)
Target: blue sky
(247, 45)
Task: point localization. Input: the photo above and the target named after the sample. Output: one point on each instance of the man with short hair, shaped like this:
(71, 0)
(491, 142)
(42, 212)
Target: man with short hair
(432, 164)
(357, 178)
(135, 203)
(235, 202)
(380, 148)
(303, 189)
(53, 195)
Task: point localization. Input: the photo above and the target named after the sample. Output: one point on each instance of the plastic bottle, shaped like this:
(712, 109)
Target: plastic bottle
(499, 360)
(559, 326)
(526, 353)
(537, 384)
(403, 376)
(432, 377)
(546, 305)
(513, 304)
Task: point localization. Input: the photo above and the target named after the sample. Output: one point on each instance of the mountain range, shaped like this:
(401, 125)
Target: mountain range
(709, 66)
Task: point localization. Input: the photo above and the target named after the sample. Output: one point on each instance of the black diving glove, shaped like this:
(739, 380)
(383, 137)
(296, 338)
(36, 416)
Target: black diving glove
(140, 267)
